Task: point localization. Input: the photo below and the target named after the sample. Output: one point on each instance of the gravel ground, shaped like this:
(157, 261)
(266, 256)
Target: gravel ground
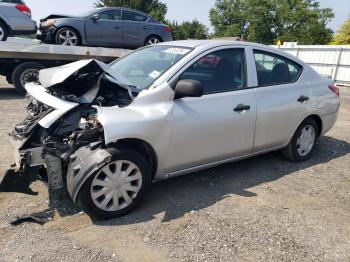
(260, 209)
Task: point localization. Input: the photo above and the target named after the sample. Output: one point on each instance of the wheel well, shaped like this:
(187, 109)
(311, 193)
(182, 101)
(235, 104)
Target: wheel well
(143, 148)
(152, 35)
(319, 123)
(2, 21)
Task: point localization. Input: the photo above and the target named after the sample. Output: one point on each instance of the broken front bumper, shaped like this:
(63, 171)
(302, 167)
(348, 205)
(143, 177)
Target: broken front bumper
(34, 157)
(28, 157)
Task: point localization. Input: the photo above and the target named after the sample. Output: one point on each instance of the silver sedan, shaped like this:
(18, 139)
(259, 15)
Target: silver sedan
(171, 109)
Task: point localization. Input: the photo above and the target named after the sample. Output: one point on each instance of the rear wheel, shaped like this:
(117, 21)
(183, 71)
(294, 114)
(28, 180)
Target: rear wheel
(118, 187)
(25, 73)
(303, 142)
(67, 36)
(152, 40)
(3, 32)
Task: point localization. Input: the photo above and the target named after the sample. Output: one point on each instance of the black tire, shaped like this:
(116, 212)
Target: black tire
(154, 39)
(30, 68)
(4, 30)
(291, 151)
(84, 198)
(71, 31)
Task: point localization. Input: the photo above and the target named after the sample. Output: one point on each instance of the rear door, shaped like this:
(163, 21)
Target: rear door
(219, 125)
(135, 28)
(282, 99)
(107, 30)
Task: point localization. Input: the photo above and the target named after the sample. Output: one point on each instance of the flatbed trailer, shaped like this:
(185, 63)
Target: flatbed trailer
(21, 60)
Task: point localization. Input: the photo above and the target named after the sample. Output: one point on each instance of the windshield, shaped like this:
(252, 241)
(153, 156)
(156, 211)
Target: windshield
(144, 66)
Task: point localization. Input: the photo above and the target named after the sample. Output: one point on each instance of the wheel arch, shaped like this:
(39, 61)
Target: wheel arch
(153, 35)
(8, 28)
(318, 121)
(71, 27)
(313, 116)
(142, 147)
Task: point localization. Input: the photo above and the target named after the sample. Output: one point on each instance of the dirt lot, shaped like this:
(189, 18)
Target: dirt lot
(263, 209)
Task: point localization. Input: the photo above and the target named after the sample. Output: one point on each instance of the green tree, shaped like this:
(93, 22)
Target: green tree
(154, 8)
(265, 21)
(342, 37)
(189, 30)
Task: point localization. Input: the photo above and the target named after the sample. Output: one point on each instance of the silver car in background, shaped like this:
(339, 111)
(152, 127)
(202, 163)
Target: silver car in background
(167, 110)
(15, 19)
(114, 27)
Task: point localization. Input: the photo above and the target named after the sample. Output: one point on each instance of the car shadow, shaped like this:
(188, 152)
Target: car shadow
(9, 93)
(178, 196)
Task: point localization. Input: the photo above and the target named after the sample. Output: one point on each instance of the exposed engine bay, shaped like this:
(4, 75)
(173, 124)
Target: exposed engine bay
(51, 133)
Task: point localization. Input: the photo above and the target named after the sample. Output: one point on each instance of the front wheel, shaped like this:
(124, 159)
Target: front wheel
(67, 36)
(303, 142)
(118, 187)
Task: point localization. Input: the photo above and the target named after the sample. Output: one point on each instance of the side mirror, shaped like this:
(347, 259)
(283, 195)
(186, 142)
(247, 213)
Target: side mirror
(188, 88)
(95, 17)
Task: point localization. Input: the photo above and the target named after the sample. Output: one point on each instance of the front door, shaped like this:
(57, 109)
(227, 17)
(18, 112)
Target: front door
(219, 125)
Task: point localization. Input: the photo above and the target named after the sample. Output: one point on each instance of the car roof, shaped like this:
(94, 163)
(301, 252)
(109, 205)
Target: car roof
(212, 43)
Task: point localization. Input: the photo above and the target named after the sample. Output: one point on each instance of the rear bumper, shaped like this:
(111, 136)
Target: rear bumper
(24, 32)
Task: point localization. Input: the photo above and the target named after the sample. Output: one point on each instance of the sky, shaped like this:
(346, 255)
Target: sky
(180, 10)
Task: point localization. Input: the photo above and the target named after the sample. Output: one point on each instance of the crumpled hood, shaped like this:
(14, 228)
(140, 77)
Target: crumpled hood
(57, 75)
(53, 16)
(72, 80)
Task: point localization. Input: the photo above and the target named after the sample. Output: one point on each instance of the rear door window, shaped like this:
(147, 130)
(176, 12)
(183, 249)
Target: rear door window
(132, 16)
(273, 69)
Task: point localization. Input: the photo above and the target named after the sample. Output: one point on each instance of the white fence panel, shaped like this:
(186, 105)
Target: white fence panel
(329, 60)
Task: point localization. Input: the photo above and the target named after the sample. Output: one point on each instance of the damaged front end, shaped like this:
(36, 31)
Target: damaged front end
(62, 115)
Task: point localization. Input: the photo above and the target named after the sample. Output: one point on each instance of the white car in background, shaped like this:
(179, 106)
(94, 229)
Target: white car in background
(107, 131)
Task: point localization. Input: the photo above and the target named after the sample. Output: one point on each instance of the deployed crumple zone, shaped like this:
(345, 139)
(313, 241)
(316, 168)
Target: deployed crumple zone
(62, 114)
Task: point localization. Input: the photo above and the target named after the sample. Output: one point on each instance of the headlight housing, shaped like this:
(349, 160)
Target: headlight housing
(48, 23)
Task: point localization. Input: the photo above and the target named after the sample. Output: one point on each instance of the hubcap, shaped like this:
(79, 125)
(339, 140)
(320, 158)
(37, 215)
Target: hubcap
(153, 41)
(67, 37)
(306, 140)
(116, 185)
(28, 76)
(2, 33)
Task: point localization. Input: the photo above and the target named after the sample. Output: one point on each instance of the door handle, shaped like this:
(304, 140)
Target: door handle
(303, 99)
(145, 27)
(241, 107)
(116, 27)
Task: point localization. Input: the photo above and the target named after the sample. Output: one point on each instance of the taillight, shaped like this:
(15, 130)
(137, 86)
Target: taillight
(334, 89)
(168, 29)
(24, 9)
